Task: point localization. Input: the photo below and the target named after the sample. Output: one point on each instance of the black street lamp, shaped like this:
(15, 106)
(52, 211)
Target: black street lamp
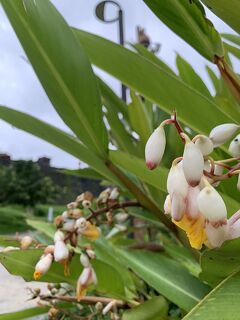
(100, 13)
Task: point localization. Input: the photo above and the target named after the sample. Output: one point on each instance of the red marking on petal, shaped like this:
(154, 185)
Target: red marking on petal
(151, 165)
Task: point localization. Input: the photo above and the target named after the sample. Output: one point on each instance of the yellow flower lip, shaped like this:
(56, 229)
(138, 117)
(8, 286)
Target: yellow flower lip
(37, 275)
(91, 232)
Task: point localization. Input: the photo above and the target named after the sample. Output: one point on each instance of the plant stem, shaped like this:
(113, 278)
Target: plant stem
(140, 195)
(229, 76)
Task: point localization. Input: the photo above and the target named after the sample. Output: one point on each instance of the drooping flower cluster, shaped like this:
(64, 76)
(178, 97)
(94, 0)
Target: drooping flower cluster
(192, 201)
(73, 224)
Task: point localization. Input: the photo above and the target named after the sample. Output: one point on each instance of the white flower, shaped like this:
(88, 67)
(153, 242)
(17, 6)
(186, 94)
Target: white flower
(216, 234)
(84, 260)
(204, 144)
(155, 148)
(192, 210)
(234, 147)
(43, 266)
(223, 133)
(167, 205)
(59, 236)
(211, 204)
(81, 224)
(193, 163)
(114, 194)
(87, 277)
(61, 252)
(177, 187)
(69, 225)
(26, 242)
(86, 204)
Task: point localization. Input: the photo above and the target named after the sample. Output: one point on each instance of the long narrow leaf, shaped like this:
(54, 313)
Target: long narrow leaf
(61, 66)
(154, 83)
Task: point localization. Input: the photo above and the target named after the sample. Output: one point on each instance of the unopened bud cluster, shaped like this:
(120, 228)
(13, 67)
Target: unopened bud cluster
(192, 201)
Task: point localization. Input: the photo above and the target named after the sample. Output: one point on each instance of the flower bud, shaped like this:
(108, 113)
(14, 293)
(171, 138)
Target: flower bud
(26, 242)
(204, 144)
(61, 252)
(121, 217)
(216, 235)
(234, 147)
(86, 204)
(114, 194)
(43, 266)
(59, 236)
(69, 226)
(211, 204)
(81, 224)
(193, 163)
(9, 248)
(155, 147)
(87, 277)
(84, 260)
(176, 181)
(91, 253)
(178, 207)
(72, 205)
(167, 205)
(223, 133)
(49, 249)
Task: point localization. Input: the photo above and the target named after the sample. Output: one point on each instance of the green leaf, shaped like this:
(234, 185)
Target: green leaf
(107, 252)
(84, 173)
(221, 303)
(188, 20)
(228, 12)
(188, 74)
(232, 38)
(215, 80)
(61, 66)
(154, 83)
(114, 106)
(45, 227)
(152, 57)
(22, 264)
(232, 49)
(153, 309)
(7, 241)
(137, 166)
(219, 263)
(138, 117)
(25, 314)
(56, 137)
(167, 277)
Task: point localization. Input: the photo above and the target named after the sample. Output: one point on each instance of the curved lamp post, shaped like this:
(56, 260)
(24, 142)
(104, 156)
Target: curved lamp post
(100, 13)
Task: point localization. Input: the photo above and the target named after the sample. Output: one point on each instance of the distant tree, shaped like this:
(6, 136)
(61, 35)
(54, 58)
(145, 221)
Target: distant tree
(23, 183)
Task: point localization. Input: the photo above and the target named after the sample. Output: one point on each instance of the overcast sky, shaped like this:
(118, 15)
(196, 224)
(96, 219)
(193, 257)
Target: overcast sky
(20, 88)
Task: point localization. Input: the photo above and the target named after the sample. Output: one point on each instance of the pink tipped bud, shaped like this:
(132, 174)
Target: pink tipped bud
(211, 204)
(204, 144)
(155, 147)
(222, 133)
(61, 252)
(234, 147)
(193, 163)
